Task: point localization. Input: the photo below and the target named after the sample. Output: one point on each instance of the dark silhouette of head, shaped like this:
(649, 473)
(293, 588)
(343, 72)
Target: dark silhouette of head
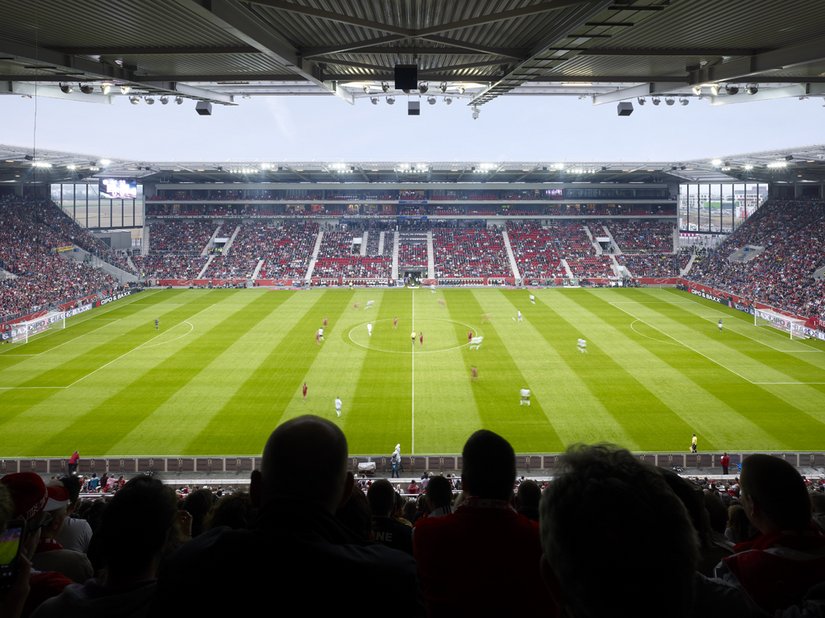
(774, 494)
(489, 468)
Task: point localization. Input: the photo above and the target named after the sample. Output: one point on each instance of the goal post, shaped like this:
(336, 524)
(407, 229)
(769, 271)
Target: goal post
(793, 326)
(21, 331)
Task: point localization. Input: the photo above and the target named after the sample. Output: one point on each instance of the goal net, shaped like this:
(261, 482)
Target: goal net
(21, 331)
(792, 326)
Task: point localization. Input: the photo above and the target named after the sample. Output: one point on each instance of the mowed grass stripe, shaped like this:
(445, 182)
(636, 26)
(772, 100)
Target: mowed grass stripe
(99, 351)
(57, 348)
(380, 409)
(779, 423)
(767, 347)
(446, 411)
(500, 380)
(199, 399)
(55, 402)
(155, 375)
(554, 370)
(77, 327)
(682, 378)
(632, 405)
(262, 401)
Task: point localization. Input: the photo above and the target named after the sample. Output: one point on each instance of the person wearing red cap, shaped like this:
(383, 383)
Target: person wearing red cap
(30, 496)
(50, 555)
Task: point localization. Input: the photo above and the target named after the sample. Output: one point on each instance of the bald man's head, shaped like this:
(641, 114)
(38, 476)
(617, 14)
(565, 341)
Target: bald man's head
(305, 458)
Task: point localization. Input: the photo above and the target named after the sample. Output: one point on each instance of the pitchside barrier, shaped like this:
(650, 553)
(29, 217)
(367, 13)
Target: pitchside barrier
(237, 469)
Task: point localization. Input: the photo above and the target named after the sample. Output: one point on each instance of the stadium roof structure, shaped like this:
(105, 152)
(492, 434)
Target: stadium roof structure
(806, 164)
(467, 51)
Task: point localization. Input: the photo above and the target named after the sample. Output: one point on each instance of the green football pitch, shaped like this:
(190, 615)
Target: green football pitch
(226, 366)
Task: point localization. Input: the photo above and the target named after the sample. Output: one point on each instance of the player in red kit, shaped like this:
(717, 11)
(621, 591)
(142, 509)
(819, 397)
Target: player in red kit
(304, 390)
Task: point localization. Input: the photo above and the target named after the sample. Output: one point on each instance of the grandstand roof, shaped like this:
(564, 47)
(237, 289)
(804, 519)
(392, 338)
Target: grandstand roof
(789, 165)
(471, 51)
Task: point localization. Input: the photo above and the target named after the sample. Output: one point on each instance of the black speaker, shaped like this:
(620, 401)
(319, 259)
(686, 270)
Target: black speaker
(406, 76)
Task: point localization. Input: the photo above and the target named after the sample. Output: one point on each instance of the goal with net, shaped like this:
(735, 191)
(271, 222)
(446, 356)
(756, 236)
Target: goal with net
(793, 326)
(21, 331)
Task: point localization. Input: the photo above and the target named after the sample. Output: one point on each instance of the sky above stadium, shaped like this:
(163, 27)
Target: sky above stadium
(309, 128)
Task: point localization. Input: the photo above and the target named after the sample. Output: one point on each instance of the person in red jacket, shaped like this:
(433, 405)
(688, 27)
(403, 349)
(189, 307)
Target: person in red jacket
(725, 461)
(483, 559)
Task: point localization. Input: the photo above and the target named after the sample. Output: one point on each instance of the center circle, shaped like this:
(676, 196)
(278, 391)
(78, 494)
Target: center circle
(440, 335)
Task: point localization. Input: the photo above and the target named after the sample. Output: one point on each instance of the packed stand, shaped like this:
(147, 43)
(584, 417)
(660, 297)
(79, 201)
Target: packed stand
(793, 236)
(176, 248)
(339, 256)
(466, 252)
(638, 235)
(290, 250)
(44, 277)
(536, 250)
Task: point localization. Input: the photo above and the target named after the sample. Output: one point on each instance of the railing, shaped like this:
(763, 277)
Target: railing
(239, 467)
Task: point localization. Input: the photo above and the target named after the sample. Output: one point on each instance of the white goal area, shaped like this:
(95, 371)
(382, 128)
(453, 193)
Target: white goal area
(21, 331)
(792, 326)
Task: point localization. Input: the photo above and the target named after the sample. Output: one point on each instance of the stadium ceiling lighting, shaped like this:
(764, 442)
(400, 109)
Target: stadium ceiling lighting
(448, 100)
(125, 89)
(374, 100)
(105, 88)
(716, 162)
(443, 86)
(423, 87)
(431, 100)
(65, 88)
(366, 89)
(641, 100)
(149, 100)
(41, 164)
(684, 101)
(385, 86)
(179, 100)
(656, 100)
(71, 166)
(476, 112)
(697, 90)
(714, 89)
(134, 100)
(164, 100)
(87, 88)
(390, 100)
(753, 88)
(731, 89)
(669, 100)
(461, 90)
(773, 165)
(104, 162)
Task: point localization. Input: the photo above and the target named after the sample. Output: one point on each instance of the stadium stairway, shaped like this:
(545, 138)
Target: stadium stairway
(81, 255)
(510, 255)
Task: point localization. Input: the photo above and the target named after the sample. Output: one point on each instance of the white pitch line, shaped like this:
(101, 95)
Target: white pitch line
(715, 362)
(412, 445)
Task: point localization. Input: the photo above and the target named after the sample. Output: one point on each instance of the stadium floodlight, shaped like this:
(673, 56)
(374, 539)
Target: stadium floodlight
(476, 112)
(149, 100)
(448, 100)
(105, 88)
(87, 88)
(669, 100)
(134, 100)
(374, 100)
(461, 90)
(731, 89)
(423, 87)
(65, 88)
(655, 100)
(179, 100)
(684, 101)
(431, 100)
(390, 100)
(697, 90)
(753, 88)
(714, 89)
(164, 99)
(443, 87)
(385, 86)
(641, 100)
(125, 89)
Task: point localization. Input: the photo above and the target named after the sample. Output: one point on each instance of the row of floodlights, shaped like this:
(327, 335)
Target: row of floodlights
(773, 165)
(668, 100)
(105, 88)
(391, 100)
(423, 88)
(150, 100)
(730, 89)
